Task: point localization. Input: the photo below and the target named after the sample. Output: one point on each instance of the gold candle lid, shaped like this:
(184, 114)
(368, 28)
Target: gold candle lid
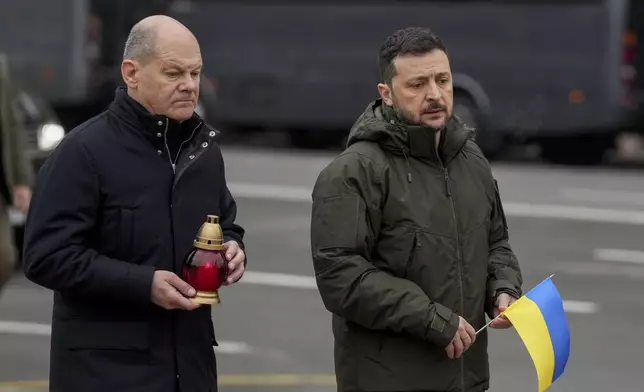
(210, 235)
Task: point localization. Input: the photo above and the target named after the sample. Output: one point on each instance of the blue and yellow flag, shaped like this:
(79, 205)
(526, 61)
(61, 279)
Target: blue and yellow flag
(540, 321)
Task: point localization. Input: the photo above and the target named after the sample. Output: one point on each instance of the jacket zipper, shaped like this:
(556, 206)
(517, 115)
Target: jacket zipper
(167, 148)
(448, 191)
(173, 164)
(173, 325)
(196, 156)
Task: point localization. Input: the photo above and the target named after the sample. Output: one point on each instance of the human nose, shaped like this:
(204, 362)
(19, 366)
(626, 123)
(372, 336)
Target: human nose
(433, 93)
(189, 83)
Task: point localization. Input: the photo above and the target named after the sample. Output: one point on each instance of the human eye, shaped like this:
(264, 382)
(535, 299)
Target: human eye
(416, 84)
(172, 73)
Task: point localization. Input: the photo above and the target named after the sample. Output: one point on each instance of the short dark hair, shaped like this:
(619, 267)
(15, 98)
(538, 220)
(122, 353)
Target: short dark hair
(140, 44)
(408, 41)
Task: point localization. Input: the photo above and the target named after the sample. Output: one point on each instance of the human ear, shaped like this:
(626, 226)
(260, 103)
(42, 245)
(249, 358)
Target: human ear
(385, 93)
(130, 73)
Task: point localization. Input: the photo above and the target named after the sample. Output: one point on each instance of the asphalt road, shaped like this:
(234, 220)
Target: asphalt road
(584, 225)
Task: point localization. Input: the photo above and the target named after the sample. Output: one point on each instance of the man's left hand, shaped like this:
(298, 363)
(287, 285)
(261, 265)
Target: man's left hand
(236, 257)
(503, 301)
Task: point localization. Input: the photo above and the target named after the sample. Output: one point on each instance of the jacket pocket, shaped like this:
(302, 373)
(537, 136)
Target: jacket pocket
(212, 334)
(412, 252)
(396, 249)
(433, 266)
(126, 231)
(104, 335)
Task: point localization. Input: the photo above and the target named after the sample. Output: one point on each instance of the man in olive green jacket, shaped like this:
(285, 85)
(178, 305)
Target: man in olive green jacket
(16, 173)
(408, 235)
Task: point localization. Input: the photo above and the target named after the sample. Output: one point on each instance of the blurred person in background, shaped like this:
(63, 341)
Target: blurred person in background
(16, 174)
(115, 210)
(408, 235)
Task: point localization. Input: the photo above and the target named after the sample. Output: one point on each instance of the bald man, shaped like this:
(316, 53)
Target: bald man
(115, 209)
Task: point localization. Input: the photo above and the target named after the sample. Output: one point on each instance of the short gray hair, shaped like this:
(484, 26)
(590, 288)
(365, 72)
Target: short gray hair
(140, 44)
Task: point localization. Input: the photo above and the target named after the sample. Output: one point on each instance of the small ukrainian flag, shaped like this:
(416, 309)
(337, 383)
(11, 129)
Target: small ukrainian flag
(540, 321)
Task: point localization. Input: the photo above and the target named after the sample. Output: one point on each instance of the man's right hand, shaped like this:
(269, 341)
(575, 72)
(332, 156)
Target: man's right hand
(463, 339)
(170, 292)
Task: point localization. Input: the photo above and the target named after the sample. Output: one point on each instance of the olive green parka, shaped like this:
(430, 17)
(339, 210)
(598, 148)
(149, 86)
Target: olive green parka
(405, 237)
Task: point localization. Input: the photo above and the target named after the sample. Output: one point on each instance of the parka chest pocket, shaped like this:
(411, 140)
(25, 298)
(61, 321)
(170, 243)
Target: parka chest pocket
(413, 246)
(431, 262)
(400, 246)
(395, 250)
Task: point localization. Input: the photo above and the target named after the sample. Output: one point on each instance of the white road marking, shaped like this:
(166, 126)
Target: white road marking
(257, 278)
(580, 307)
(279, 280)
(271, 192)
(563, 212)
(35, 329)
(16, 218)
(21, 328)
(603, 196)
(619, 256)
(512, 209)
(308, 282)
(234, 348)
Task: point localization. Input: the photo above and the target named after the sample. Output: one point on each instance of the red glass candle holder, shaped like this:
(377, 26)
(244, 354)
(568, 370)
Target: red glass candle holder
(205, 267)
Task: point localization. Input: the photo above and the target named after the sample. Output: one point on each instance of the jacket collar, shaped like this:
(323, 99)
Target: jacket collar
(420, 142)
(128, 109)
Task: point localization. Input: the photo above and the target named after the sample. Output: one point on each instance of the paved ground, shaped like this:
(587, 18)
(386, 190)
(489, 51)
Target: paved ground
(586, 226)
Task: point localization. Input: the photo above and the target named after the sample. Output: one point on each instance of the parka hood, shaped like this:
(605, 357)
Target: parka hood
(379, 123)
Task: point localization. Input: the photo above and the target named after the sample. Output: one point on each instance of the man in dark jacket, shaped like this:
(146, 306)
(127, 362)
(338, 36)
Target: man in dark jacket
(408, 235)
(115, 209)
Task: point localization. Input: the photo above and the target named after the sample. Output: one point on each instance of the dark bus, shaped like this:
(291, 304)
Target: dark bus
(557, 72)
(565, 74)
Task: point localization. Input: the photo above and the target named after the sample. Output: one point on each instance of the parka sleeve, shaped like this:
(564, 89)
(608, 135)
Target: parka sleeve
(504, 273)
(23, 173)
(345, 219)
(61, 221)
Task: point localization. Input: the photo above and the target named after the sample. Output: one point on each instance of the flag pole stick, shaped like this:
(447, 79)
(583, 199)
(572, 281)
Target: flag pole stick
(488, 324)
(500, 314)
